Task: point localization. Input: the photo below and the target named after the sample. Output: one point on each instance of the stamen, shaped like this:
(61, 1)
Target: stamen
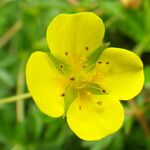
(61, 66)
(63, 94)
(99, 74)
(99, 62)
(84, 66)
(104, 91)
(80, 107)
(66, 53)
(86, 48)
(99, 102)
(83, 59)
(72, 78)
(107, 62)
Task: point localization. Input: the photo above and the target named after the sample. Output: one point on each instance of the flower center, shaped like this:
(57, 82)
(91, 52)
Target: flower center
(84, 79)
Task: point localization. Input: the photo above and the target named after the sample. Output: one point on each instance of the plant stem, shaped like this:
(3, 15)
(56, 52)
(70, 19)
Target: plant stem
(10, 33)
(15, 98)
(20, 84)
(139, 48)
(110, 21)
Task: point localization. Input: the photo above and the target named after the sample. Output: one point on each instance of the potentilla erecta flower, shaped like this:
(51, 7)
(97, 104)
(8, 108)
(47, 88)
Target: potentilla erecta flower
(82, 78)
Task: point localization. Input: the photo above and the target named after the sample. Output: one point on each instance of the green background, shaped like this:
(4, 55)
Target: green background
(23, 25)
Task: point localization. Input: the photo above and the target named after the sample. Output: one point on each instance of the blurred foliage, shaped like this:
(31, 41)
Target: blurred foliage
(23, 25)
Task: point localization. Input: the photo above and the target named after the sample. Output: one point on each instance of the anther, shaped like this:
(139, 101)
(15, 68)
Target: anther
(99, 102)
(84, 66)
(72, 78)
(86, 48)
(99, 62)
(61, 66)
(104, 91)
(82, 59)
(63, 94)
(107, 62)
(66, 53)
(80, 107)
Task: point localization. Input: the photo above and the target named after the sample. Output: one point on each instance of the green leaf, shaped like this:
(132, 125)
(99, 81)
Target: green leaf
(94, 89)
(147, 76)
(111, 8)
(62, 67)
(146, 6)
(70, 95)
(91, 59)
(6, 77)
(128, 124)
(102, 144)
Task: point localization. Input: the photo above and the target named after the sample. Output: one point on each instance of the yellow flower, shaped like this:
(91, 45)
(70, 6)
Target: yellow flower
(74, 81)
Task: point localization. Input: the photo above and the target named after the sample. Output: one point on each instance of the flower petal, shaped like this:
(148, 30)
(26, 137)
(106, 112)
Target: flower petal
(121, 73)
(94, 117)
(45, 84)
(70, 36)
